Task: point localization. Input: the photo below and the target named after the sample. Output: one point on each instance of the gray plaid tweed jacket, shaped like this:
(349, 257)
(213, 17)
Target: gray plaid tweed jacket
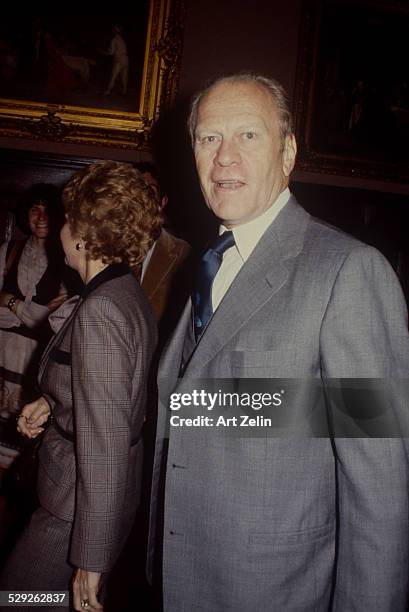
(94, 374)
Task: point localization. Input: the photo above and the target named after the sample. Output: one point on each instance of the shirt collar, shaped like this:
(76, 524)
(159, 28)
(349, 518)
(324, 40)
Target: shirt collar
(246, 236)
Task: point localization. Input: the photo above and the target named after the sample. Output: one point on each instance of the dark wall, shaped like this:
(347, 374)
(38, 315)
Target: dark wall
(234, 35)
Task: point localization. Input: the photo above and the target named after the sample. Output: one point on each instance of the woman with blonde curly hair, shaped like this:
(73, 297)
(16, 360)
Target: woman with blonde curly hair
(93, 379)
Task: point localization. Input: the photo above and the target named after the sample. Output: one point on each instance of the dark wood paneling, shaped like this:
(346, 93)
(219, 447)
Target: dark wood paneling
(19, 170)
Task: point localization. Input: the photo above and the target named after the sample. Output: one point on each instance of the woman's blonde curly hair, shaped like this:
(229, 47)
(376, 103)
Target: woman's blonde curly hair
(113, 210)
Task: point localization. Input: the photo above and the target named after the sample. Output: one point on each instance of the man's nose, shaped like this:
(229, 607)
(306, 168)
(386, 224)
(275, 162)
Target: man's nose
(228, 153)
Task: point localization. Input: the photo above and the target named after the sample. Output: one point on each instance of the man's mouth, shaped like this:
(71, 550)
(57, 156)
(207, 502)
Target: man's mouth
(231, 184)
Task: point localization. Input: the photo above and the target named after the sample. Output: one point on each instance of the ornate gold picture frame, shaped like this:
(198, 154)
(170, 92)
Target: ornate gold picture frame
(104, 120)
(351, 98)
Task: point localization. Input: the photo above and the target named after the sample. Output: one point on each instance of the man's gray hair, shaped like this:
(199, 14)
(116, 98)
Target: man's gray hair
(273, 87)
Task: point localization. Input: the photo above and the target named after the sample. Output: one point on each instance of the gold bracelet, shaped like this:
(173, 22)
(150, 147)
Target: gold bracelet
(12, 302)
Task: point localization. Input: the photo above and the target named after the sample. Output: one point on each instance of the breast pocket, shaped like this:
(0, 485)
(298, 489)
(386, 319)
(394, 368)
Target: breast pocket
(263, 364)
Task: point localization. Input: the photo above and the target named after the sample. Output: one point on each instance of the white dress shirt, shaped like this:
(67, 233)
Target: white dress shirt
(147, 259)
(246, 237)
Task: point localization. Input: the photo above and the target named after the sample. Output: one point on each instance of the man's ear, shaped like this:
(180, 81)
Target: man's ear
(289, 154)
(163, 202)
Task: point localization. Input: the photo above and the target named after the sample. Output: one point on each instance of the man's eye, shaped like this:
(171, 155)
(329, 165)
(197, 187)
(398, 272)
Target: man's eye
(209, 139)
(249, 135)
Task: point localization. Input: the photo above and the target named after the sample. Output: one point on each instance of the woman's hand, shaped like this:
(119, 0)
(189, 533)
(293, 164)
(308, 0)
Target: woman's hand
(85, 586)
(32, 417)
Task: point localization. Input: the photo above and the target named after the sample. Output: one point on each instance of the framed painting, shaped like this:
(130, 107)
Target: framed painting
(352, 88)
(91, 80)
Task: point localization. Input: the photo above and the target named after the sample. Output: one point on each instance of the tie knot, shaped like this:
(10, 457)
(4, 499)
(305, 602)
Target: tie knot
(224, 242)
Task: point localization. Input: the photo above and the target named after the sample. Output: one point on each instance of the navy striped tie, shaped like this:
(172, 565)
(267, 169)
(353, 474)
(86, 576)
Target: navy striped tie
(208, 268)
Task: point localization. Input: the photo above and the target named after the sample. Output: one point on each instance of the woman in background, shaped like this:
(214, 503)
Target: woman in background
(30, 288)
(93, 378)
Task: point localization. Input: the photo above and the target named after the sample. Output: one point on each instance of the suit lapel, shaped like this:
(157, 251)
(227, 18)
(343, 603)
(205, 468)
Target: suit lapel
(264, 273)
(170, 362)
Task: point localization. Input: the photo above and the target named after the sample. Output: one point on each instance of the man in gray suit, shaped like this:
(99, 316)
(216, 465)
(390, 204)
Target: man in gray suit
(257, 523)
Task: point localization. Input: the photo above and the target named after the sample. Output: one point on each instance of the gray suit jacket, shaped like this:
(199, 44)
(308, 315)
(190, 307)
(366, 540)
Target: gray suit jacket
(94, 374)
(261, 524)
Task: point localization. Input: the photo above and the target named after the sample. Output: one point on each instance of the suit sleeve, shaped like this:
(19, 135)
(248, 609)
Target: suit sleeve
(103, 368)
(364, 335)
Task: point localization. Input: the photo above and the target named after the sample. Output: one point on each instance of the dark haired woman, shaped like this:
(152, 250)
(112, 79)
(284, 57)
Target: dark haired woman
(30, 288)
